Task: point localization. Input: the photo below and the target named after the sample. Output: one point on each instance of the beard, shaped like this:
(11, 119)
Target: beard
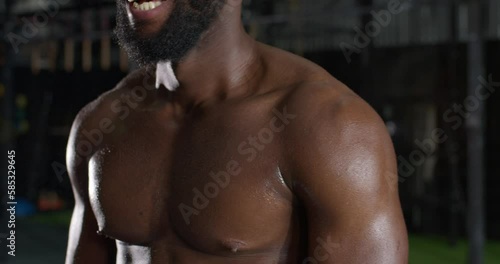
(189, 20)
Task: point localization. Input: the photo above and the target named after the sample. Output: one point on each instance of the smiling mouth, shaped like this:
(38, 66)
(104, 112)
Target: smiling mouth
(143, 5)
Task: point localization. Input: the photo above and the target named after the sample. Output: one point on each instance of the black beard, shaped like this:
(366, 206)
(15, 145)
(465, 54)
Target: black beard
(182, 31)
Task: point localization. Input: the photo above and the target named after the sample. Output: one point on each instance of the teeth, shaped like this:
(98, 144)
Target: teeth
(146, 5)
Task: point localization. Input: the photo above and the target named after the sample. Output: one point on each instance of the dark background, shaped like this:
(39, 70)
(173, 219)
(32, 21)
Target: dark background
(412, 72)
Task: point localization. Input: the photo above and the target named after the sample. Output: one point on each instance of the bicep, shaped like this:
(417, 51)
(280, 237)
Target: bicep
(84, 244)
(355, 228)
(345, 180)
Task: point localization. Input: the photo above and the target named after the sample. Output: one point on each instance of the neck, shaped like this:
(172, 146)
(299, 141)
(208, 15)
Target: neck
(222, 65)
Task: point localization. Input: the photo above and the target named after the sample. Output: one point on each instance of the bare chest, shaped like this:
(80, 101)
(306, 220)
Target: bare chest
(211, 186)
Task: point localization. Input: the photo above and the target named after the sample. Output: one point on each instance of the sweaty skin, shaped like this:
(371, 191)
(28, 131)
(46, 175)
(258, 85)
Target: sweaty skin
(258, 156)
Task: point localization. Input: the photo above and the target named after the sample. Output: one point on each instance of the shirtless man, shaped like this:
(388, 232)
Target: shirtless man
(225, 150)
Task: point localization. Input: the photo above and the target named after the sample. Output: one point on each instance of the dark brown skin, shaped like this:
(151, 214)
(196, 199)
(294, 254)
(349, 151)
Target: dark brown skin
(320, 187)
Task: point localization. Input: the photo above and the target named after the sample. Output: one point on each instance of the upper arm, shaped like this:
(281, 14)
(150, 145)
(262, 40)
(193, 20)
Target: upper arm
(343, 167)
(84, 244)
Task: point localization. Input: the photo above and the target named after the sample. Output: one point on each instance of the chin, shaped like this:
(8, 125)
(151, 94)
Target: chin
(147, 31)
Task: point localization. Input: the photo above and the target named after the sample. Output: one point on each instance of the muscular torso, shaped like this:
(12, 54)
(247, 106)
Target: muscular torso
(295, 168)
(204, 187)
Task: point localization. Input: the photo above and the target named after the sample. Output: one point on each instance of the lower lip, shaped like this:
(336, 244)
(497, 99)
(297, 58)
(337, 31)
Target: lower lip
(148, 14)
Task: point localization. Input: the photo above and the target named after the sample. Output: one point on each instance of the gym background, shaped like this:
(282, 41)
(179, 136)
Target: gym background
(430, 68)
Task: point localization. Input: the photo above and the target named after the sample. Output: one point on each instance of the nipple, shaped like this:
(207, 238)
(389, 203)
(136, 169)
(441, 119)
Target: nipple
(234, 245)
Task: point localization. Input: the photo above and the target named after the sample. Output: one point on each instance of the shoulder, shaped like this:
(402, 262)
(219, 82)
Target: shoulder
(99, 114)
(335, 134)
(317, 98)
(340, 164)
(325, 109)
(331, 107)
(141, 78)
